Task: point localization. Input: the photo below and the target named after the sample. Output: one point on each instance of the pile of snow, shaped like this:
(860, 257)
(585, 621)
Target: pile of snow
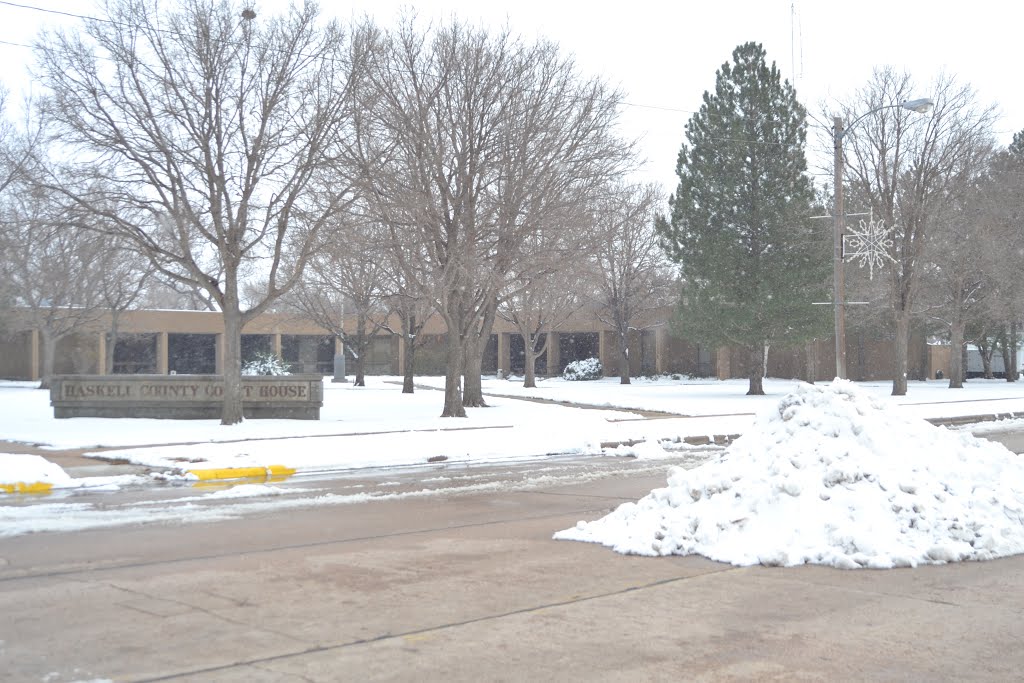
(831, 476)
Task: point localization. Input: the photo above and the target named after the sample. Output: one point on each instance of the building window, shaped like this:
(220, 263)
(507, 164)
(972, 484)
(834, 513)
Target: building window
(256, 345)
(575, 346)
(135, 354)
(308, 353)
(192, 354)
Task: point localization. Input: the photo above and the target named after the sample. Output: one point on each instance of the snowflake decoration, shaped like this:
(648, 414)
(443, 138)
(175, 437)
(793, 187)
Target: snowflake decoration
(870, 244)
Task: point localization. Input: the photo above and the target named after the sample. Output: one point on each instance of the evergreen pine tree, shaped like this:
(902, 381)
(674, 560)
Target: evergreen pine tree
(1016, 147)
(740, 223)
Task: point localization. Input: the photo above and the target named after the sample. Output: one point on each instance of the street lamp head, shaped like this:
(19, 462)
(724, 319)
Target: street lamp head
(921, 106)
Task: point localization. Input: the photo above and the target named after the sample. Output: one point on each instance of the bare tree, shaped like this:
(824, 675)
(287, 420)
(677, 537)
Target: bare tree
(473, 140)
(404, 297)
(541, 301)
(1003, 211)
(413, 315)
(960, 260)
(19, 143)
(18, 147)
(219, 130)
(629, 268)
(347, 276)
(53, 271)
(908, 166)
(124, 275)
(164, 293)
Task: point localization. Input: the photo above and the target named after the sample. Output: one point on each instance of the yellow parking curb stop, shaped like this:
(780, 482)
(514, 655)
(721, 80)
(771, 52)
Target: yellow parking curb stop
(27, 487)
(270, 472)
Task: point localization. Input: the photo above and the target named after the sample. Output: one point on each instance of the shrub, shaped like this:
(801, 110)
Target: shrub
(589, 368)
(265, 364)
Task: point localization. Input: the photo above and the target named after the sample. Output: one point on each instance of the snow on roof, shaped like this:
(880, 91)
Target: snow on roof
(831, 476)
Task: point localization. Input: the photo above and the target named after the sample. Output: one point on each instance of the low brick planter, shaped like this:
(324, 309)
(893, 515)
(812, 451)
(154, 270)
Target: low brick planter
(184, 397)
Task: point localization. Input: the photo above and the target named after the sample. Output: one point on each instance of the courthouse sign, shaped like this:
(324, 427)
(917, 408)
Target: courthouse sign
(184, 397)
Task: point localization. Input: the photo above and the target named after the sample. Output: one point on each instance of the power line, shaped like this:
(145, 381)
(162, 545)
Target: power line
(45, 10)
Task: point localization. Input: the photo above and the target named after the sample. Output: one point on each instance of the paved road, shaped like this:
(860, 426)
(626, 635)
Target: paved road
(468, 585)
(1012, 440)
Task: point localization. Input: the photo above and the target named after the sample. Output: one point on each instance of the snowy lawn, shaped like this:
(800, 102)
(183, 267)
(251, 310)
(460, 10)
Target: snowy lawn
(377, 425)
(831, 475)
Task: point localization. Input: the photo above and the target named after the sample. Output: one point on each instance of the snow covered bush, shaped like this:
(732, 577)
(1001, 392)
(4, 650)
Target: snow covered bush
(265, 364)
(578, 370)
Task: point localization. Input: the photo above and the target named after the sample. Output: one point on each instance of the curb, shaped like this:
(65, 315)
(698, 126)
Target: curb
(270, 472)
(714, 439)
(973, 419)
(726, 439)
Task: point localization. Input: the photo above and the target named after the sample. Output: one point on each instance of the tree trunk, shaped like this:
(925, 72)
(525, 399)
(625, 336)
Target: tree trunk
(623, 356)
(810, 362)
(756, 372)
(473, 390)
(963, 362)
(49, 350)
(409, 359)
(900, 346)
(1010, 357)
(453, 406)
(410, 334)
(956, 343)
(231, 362)
(409, 367)
(476, 342)
(530, 360)
(985, 351)
(361, 344)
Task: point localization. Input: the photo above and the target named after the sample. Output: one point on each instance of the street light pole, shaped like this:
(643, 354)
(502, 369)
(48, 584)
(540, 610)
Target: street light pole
(838, 276)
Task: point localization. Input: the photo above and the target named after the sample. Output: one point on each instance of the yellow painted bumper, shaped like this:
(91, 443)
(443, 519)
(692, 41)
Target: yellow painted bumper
(269, 473)
(26, 487)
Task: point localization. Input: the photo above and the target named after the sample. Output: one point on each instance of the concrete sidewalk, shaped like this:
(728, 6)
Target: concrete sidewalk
(472, 588)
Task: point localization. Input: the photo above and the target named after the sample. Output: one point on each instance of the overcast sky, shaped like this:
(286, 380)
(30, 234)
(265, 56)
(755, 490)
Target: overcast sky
(665, 54)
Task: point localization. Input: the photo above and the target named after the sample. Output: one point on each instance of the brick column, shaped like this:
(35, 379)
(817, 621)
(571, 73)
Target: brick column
(660, 343)
(34, 354)
(724, 372)
(504, 353)
(603, 351)
(101, 355)
(400, 368)
(162, 364)
(218, 354)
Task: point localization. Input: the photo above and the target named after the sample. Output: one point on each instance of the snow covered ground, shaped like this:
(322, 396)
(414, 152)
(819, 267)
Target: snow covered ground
(377, 425)
(853, 477)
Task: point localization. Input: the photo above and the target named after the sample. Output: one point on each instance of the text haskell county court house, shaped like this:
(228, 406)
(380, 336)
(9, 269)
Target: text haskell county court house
(191, 342)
